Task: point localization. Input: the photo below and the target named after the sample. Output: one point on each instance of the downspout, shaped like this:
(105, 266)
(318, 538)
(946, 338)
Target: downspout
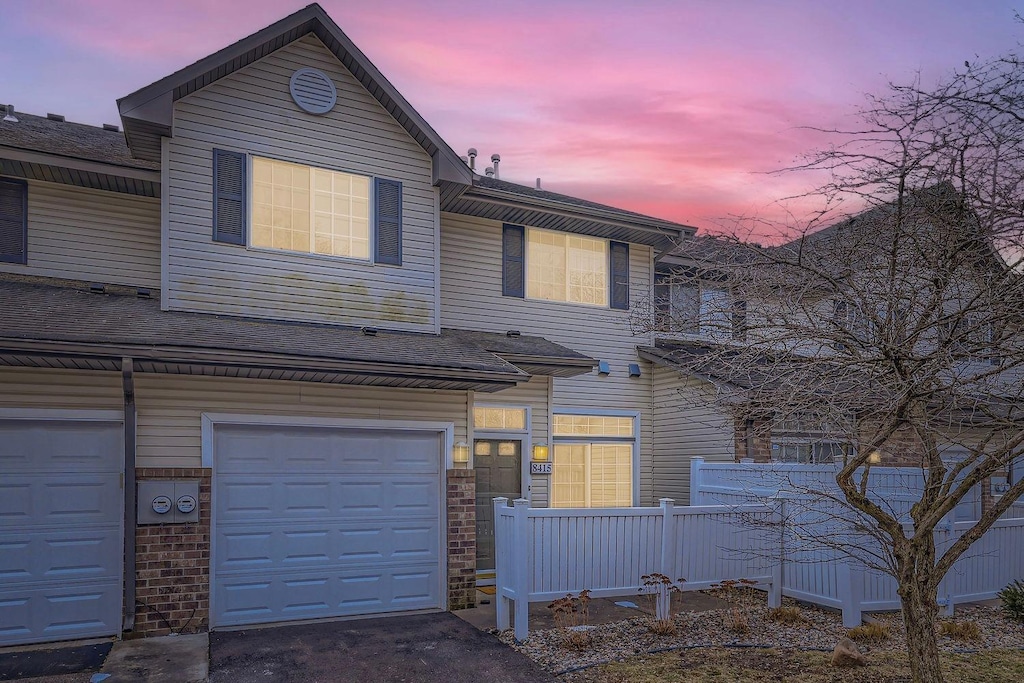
(128, 386)
(749, 437)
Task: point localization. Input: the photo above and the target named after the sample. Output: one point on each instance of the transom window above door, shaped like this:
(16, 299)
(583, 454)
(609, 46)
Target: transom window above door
(499, 419)
(307, 209)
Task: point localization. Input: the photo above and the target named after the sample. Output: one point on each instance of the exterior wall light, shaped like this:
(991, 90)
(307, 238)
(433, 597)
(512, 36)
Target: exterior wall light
(540, 452)
(875, 457)
(603, 368)
(460, 452)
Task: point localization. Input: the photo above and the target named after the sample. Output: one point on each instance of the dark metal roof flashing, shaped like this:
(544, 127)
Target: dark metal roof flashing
(147, 114)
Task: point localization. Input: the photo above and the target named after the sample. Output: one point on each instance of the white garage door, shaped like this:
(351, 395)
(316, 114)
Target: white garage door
(60, 529)
(313, 521)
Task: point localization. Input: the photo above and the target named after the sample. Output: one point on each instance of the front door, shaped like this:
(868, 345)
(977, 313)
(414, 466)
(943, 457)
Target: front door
(497, 463)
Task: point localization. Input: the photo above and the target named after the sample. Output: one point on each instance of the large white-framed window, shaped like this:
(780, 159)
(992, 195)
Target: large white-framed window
(594, 459)
(566, 267)
(310, 210)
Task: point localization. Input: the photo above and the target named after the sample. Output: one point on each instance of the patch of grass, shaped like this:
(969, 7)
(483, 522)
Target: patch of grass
(870, 633)
(727, 665)
(791, 616)
(967, 631)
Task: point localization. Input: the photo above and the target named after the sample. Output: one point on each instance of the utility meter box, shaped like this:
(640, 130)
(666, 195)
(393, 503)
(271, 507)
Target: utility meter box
(168, 502)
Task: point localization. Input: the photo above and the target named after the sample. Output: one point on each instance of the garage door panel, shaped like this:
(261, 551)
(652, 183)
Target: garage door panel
(58, 446)
(281, 596)
(320, 521)
(295, 449)
(58, 556)
(42, 500)
(246, 498)
(36, 615)
(309, 545)
(61, 546)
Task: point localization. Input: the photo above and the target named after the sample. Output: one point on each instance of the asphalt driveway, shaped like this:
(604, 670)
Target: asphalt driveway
(407, 649)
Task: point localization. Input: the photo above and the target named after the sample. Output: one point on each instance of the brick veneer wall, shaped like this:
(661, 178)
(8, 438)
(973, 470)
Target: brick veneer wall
(172, 565)
(461, 494)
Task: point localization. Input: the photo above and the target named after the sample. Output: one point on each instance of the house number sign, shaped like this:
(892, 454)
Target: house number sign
(540, 468)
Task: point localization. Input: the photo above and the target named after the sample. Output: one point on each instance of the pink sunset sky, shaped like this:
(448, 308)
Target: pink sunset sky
(674, 109)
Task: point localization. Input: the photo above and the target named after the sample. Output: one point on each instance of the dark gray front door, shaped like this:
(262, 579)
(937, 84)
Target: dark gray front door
(497, 463)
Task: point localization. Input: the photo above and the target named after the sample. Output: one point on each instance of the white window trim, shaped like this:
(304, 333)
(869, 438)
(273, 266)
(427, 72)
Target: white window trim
(526, 271)
(371, 214)
(579, 438)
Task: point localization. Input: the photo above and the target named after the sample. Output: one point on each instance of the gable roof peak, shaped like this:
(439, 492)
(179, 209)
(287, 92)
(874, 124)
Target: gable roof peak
(147, 113)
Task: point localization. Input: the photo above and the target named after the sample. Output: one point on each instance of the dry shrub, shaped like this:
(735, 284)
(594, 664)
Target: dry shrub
(791, 616)
(662, 627)
(869, 633)
(960, 630)
(570, 614)
(736, 621)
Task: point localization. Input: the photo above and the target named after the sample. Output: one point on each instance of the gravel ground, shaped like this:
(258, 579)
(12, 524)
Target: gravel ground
(629, 638)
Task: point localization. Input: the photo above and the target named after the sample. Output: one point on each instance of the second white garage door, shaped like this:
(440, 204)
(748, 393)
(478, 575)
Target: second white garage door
(315, 521)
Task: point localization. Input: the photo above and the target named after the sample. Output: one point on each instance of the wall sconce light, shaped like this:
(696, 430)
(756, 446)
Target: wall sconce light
(603, 368)
(634, 369)
(874, 457)
(460, 452)
(540, 452)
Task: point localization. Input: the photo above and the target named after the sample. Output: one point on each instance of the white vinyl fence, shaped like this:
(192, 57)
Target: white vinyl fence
(546, 553)
(815, 569)
(798, 545)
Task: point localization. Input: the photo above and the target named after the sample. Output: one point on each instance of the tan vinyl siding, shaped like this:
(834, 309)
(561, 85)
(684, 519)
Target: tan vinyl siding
(533, 394)
(686, 427)
(92, 235)
(471, 299)
(169, 407)
(60, 389)
(252, 111)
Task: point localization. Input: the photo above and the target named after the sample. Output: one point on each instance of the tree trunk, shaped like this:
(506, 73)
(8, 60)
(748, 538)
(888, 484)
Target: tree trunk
(920, 613)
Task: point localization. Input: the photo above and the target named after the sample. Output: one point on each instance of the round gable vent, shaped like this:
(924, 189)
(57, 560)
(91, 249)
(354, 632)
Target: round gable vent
(313, 91)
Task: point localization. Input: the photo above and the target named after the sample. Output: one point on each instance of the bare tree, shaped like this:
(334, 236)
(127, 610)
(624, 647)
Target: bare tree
(897, 327)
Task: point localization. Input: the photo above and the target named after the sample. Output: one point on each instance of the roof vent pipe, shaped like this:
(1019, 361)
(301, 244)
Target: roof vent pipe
(472, 158)
(9, 115)
(496, 159)
(538, 183)
(489, 172)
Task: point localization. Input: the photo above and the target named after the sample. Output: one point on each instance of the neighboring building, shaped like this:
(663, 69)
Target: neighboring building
(748, 356)
(281, 310)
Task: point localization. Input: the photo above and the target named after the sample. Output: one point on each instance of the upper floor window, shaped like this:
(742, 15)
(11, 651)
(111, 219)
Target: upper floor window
(558, 266)
(689, 305)
(13, 221)
(304, 209)
(564, 267)
(307, 209)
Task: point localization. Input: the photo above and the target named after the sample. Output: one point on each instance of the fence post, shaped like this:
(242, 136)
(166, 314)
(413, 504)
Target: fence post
(778, 566)
(662, 606)
(523, 562)
(696, 496)
(502, 551)
(945, 531)
(852, 578)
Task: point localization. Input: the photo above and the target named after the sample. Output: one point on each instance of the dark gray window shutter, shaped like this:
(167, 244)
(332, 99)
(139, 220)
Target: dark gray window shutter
(618, 253)
(229, 203)
(513, 261)
(13, 221)
(388, 220)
